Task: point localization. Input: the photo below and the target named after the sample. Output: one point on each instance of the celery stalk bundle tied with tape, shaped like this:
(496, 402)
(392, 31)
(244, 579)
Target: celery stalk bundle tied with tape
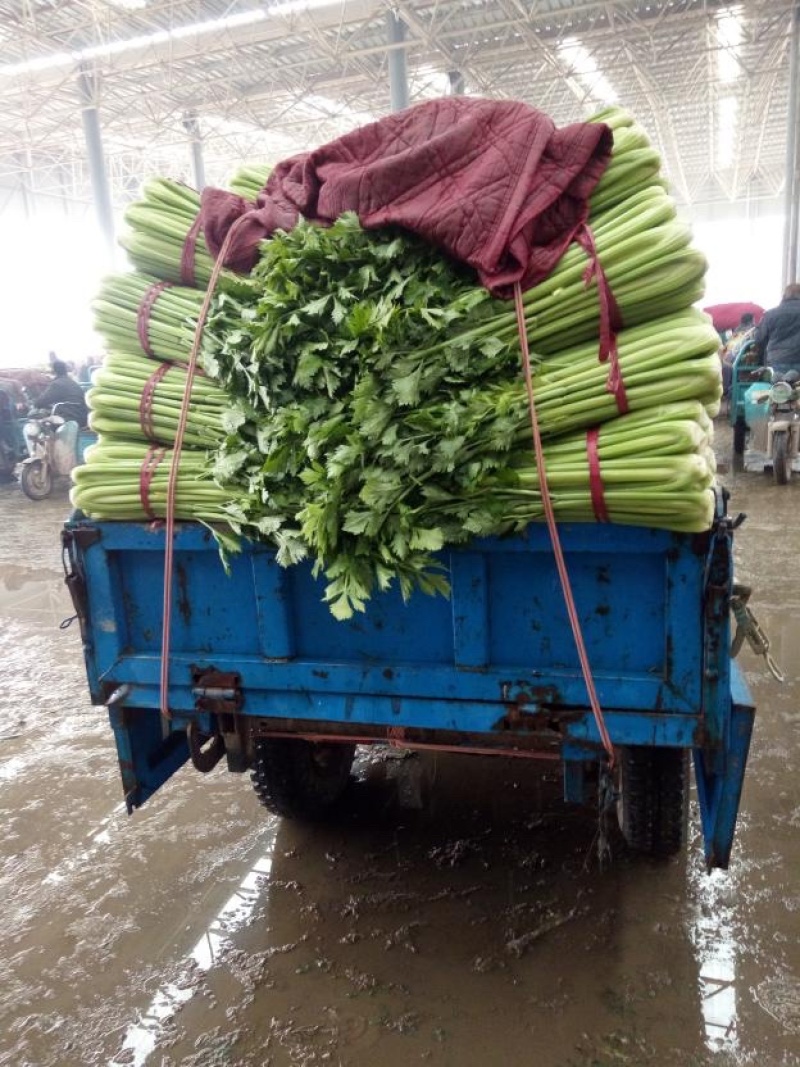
(364, 403)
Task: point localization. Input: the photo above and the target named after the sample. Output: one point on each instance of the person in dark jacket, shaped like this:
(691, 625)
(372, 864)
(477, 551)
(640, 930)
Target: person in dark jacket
(778, 333)
(65, 392)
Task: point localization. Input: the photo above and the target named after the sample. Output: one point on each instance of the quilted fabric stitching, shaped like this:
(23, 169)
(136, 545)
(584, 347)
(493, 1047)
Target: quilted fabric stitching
(493, 182)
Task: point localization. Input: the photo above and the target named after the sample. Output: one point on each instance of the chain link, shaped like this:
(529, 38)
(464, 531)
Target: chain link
(748, 629)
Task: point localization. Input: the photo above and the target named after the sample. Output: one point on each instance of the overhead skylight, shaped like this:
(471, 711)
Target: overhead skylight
(583, 69)
(55, 60)
(297, 7)
(730, 34)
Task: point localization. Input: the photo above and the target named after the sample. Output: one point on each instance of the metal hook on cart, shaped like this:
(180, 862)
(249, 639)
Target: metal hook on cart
(748, 628)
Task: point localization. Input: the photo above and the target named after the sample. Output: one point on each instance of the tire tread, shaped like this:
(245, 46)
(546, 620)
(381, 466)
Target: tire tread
(288, 781)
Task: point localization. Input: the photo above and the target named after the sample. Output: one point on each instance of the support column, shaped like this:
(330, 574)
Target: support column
(101, 193)
(398, 75)
(792, 191)
(192, 126)
(456, 80)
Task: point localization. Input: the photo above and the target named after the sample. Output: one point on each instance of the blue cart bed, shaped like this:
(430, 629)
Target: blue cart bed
(258, 666)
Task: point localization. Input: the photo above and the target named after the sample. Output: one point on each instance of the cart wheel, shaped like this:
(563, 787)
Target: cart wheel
(781, 462)
(36, 479)
(653, 809)
(300, 779)
(739, 436)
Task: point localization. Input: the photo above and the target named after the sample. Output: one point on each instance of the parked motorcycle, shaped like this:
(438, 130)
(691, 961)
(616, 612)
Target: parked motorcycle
(774, 426)
(53, 449)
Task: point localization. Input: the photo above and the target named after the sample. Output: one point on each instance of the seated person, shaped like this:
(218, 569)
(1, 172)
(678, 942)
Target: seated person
(778, 333)
(65, 392)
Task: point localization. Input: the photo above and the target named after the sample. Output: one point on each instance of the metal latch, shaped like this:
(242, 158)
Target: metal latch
(74, 578)
(215, 691)
(748, 628)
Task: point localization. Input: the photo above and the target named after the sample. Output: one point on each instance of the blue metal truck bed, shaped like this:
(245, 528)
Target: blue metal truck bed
(260, 671)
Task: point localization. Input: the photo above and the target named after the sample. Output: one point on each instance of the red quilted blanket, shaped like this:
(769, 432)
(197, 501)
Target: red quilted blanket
(494, 183)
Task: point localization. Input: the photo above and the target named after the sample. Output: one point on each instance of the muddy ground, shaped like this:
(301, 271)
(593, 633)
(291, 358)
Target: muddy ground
(455, 915)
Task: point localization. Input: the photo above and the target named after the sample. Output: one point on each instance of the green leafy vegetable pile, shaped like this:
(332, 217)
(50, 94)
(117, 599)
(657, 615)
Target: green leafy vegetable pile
(384, 414)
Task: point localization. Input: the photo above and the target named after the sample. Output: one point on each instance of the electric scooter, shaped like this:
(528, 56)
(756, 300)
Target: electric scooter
(774, 426)
(52, 443)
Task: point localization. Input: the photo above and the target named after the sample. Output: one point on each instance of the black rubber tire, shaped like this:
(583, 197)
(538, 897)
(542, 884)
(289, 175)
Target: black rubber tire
(739, 437)
(781, 464)
(36, 480)
(653, 808)
(300, 779)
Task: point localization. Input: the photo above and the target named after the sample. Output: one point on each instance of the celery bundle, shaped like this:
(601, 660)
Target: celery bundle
(170, 322)
(248, 181)
(148, 322)
(672, 358)
(109, 484)
(656, 466)
(158, 228)
(117, 408)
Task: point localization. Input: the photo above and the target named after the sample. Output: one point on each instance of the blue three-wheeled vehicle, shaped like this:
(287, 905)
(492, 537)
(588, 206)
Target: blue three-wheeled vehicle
(262, 675)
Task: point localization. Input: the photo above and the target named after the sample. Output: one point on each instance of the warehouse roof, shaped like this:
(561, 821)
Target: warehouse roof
(260, 81)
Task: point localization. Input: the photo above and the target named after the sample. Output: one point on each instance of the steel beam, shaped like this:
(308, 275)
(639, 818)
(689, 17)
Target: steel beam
(398, 75)
(192, 126)
(101, 193)
(456, 80)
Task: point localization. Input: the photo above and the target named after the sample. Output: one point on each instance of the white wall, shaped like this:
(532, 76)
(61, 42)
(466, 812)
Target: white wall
(50, 269)
(744, 259)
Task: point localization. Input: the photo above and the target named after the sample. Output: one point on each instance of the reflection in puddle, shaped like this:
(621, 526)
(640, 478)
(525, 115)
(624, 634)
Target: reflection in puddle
(142, 1036)
(32, 595)
(715, 948)
(718, 992)
(12, 768)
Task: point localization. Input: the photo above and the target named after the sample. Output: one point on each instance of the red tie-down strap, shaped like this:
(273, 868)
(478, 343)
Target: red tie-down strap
(596, 487)
(146, 474)
(188, 253)
(555, 540)
(172, 483)
(610, 318)
(146, 401)
(145, 311)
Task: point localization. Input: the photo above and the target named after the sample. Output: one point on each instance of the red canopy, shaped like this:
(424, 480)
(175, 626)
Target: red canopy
(728, 316)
